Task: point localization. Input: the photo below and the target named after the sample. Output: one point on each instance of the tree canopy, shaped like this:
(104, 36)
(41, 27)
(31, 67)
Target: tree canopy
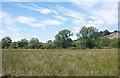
(62, 39)
(5, 42)
(87, 37)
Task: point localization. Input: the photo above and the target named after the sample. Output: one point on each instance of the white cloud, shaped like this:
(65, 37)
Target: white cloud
(89, 25)
(37, 8)
(93, 21)
(29, 21)
(60, 9)
(45, 11)
(6, 19)
(105, 16)
(107, 11)
(70, 13)
(78, 22)
(8, 27)
(55, 12)
(50, 22)
(37, 23)
(108, 17)
(85, 4)
(96, 21)
(61, 17)
(23, 19)
(76, 29)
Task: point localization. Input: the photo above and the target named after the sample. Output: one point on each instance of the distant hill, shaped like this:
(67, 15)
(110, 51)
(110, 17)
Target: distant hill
(114, 35)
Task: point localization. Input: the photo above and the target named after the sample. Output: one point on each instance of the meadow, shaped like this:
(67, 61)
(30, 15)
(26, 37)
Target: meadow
(60, 62)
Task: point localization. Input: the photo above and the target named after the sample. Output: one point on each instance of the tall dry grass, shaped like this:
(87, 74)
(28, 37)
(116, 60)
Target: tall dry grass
(60, 62)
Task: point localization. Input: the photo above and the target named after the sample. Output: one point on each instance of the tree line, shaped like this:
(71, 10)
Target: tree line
(87, 37)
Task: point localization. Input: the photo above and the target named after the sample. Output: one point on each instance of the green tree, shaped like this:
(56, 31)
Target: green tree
(49, 45)
(116, 31)
(34, 43)
(40, 45)
(62, 39)
(102, 42)
(101, 34)
(23, 43)
(14, 45)
(87, 36)
(106, 32)
(5, 42)
(115, 43)
(49, 41)
(77, 44)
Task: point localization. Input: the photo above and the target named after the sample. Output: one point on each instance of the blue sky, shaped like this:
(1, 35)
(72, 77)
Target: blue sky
(43, 20)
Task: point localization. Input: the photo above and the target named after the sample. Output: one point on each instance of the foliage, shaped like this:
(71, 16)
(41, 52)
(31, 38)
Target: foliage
(14, 45)
(115, 43)
(34, 43)
(23, 43)
(87, 36)
(6, 41)
(49, 45)
(62, 39)
(76, 44)
(102, 42)
(106, 32)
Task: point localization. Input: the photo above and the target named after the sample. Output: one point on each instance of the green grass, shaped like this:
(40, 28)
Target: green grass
(60, 62)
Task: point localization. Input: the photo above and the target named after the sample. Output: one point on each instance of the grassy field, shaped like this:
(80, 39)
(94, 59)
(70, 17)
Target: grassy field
(60, 62)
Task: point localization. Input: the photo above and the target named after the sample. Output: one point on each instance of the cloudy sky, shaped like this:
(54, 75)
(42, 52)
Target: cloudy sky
(43, 20)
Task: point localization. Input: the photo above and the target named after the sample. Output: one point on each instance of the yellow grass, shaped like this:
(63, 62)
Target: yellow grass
(60, 62)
